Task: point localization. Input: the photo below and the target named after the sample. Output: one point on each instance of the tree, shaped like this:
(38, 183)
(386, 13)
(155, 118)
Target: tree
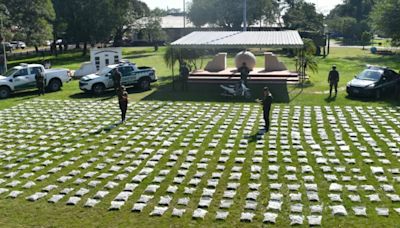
(150, 28)
(306, 59)
(345, 26)
(180, 55)
(385, 18)
(90, 21)
(354, 11)
(229, 13)
(131, 11)
(366, 39)
(6, 29)
(303, 16)
(32, 19)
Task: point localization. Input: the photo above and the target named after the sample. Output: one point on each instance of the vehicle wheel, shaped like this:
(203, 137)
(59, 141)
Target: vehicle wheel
(378, 94)
(98, 89)
(54, 85)
(4, 92)
(144, 84)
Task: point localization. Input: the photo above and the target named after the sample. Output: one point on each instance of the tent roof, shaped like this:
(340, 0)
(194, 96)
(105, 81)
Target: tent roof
(237, 39)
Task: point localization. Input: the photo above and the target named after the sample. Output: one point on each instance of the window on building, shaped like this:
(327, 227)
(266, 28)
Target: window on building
(97, 62)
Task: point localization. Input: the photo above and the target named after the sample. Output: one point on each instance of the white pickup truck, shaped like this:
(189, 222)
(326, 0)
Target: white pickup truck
(131, 75)
(23, 77)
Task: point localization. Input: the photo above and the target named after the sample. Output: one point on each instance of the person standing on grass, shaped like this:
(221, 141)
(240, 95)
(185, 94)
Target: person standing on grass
(333, 80)
(116, 76)
(184, 74)
(123, 102)
(266, 103)
(40, 82)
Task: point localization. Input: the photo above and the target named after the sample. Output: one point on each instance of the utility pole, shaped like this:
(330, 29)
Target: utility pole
(184, 13)
(244, 15)
(3, 43)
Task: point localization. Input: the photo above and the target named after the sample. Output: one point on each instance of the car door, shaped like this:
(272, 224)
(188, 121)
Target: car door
(21, 79)
(109, 79)
(127, 75)
(387, 83)
(32, 75)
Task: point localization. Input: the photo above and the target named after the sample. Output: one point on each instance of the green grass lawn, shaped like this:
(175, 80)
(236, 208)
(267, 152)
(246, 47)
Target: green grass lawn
(348, 60)
(296, 108)
(195, 119)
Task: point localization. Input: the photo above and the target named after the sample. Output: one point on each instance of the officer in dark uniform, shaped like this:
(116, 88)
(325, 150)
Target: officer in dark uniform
(244, 73)
(333, 80)
(116, 79)
(40, 82)
(123, 102)
(184, 74)
(266, 103)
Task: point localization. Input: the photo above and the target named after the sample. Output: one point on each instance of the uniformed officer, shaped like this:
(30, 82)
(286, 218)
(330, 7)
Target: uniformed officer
(40, 82)
(123, 102)
(244, 73)
(116, 79)
(184, 74)
(333, 80)
(266, 103)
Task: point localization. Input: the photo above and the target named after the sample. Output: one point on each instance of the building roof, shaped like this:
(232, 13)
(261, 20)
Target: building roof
(170, 21)
(175, 22)
(236, 39)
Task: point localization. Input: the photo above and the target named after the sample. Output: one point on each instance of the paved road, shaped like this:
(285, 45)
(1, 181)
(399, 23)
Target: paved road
(336, 44)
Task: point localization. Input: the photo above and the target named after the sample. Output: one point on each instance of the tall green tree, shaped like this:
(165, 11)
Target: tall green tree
(385, 18)
(90, 21)
(354, 11)
(131, 11)
(303, 16)
(150, 29)
(32, 19)
(229, 13)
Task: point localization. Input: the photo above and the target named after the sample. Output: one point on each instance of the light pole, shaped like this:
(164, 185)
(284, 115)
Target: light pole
(244, 15)
(3, 43)
(184, 13)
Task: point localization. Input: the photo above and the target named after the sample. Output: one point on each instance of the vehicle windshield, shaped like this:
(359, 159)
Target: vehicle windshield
(10, 72)
(370, 75)
(104, 71)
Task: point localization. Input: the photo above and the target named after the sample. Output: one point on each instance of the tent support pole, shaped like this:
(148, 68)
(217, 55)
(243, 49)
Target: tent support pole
(172, 68)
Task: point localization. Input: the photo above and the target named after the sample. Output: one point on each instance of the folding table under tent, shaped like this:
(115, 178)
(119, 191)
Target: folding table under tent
(242, 40)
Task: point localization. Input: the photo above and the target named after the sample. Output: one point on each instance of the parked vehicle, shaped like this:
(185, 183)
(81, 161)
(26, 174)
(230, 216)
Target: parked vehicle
(21, 44)
(237, 90)
(14, 44)
(99, 82)
(374, 81)
(23, 77)
(7, 46)
(18, 44)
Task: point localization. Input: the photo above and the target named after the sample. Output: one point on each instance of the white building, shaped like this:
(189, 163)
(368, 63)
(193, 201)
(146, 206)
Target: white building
(99, 58)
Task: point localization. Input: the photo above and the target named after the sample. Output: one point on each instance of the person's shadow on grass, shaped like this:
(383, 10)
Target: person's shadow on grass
(330, 99)
(257, 136)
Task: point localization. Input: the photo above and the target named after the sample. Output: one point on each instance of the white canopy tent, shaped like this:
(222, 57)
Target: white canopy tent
(239, 39)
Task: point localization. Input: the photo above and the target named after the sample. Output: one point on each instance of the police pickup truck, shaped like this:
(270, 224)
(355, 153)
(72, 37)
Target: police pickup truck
(23, 77)
(131, 75)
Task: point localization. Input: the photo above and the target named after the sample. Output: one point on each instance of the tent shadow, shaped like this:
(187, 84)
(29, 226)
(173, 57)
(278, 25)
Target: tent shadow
(103, 97)
(170, 91)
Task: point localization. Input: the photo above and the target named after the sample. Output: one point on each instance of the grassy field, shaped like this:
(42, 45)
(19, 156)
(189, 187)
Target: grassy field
(197, 117)
(348, 60)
